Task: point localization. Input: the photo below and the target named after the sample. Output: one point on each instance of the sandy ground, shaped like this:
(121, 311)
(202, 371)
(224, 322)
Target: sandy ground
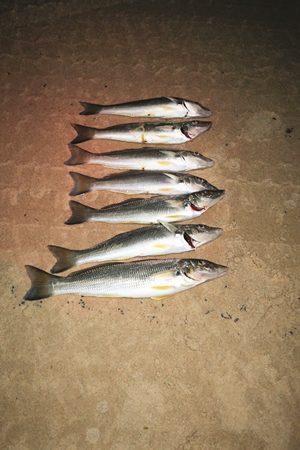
(214, 368)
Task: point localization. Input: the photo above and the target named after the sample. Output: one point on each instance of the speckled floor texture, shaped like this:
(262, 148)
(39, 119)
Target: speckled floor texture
(213, 368)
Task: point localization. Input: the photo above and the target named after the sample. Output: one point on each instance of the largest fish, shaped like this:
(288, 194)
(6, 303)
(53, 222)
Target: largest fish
(142, 133)
(164, 107)
(174, 208)
(139, 279)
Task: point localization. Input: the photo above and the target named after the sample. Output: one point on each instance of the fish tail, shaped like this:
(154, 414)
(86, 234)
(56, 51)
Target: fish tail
(66, 258)
(78, 156)
(90, 108)
(82, 183)
(83, 133)
(42, 284)
(80, 213)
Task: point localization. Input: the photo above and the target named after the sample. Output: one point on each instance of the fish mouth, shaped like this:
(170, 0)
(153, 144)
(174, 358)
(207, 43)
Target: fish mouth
(202, 200)
(205, 236)
(196, 109)
(204, 161)
(208, 272)
(192, 129)
(204, 112)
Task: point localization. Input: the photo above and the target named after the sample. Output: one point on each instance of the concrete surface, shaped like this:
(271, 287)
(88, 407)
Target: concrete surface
(215, 368)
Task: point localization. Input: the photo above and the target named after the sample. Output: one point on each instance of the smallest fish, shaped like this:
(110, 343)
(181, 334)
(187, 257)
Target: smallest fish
(141, 182)
(164, 107)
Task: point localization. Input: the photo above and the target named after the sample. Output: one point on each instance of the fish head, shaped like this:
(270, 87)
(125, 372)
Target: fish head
(190, 183)
(192, 129)
(203, 200)
(196, 110)
(195, 183)
(197, 235)
(194, 160)
(201, 270)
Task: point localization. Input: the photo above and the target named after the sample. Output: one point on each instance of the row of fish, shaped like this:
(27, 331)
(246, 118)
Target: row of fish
(178, 196)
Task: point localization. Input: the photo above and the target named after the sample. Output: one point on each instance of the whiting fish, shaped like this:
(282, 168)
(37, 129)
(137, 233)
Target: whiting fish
(139, 279)
(142, 133)
(164, 107)
(145, 158)
(153, 240)
(148, 210)
(140, 182)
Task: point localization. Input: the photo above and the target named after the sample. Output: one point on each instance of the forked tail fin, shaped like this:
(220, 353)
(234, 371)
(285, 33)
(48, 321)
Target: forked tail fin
(80, 213)
(83, 133)
(82, 183)
(42, 284)
(90, 108)
(65, 258)
(78, 156)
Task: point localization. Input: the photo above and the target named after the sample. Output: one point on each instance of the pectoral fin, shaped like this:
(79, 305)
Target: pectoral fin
(172, 176)
(167, 274)
(168, 226)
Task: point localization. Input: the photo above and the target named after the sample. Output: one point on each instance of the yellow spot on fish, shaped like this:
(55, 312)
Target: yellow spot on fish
(165, 246)
(164, 163)
(162, 136)
(162, 288)
(178, 216)
(166, 190)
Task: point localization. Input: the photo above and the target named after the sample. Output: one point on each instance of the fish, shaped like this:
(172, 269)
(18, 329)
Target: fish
(139, 279)
(139, 182)
(142, 133)
(161, 239)
(164, 107)
(155, 209)
(145, 158)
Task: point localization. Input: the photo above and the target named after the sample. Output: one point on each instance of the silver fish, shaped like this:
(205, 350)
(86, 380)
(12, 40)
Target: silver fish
(146, 241)
(139, 279)
(145, 158)
(148, 210)
(139, 182)
(164, 107)
(142, 133)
